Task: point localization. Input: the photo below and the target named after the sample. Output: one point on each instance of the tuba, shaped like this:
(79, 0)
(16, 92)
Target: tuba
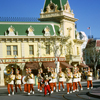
(7, 72)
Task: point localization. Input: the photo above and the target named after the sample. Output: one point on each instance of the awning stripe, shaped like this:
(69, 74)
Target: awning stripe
(49, 64)
(65, 65)
(32, 65)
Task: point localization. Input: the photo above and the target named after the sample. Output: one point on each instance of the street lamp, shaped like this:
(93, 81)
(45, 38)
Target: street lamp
(40, 63)
(15, 64)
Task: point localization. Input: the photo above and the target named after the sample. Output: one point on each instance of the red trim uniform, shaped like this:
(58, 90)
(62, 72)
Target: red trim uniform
(89, 79)
(11, 83)
(18, 81)
(61, 77)
(46, 86)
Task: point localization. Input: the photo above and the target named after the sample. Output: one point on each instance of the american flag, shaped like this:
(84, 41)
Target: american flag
(88, 28)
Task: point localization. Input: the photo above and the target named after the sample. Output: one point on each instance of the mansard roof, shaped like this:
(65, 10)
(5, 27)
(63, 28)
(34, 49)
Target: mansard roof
(22, 27)
(60, 4)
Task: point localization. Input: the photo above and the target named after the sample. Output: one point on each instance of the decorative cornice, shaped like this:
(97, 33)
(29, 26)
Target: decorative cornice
(78, 41)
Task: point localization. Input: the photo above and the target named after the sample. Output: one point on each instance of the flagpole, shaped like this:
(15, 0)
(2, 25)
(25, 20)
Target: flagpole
(90, 31)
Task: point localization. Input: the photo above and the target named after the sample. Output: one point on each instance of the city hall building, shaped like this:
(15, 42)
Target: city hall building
(52, 42)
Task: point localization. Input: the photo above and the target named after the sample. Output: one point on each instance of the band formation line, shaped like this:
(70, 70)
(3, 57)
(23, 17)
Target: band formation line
(48, 81)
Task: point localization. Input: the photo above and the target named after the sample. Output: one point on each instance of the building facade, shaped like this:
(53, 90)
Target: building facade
(92, 52)
(53, 39)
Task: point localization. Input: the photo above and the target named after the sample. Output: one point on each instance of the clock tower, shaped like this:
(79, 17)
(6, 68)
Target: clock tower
(59, 11)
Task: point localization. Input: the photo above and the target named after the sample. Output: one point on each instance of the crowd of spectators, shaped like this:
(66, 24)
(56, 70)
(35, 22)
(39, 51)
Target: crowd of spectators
(84, 74)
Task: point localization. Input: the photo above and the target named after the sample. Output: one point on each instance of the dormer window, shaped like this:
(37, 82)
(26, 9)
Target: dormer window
(47, 31)
(11, 31)
(30, 31)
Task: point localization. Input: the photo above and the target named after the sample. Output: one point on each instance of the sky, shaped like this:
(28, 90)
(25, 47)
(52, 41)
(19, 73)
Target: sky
(86, 11)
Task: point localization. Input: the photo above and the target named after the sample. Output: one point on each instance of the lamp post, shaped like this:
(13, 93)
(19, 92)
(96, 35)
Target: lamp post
(15, 64)
(40, 63)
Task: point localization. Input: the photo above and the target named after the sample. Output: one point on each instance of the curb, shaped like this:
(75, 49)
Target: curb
(93, 95)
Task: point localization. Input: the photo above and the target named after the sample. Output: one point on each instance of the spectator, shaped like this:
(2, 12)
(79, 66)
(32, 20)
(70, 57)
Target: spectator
(97, 74)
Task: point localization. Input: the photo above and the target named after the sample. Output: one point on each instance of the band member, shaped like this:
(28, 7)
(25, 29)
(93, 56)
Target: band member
(89, 79)
(75, 80)
(46, 85)
(79, 78)
(11, 83)
(40, 80)
(30, 81)
(18, 81)
(54, 79)
(69, 77)
(25, 82)
(61, 77)
(50, 79)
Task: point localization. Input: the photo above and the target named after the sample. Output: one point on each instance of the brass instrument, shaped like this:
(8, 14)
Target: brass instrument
(27, 77)
(75, 76)
(8, 79)
(60, 76)
(53, 76)
(7, 72)
(89, 75)
(68, 76)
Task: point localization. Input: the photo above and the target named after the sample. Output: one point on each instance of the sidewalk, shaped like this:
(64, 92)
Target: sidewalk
(5, 87)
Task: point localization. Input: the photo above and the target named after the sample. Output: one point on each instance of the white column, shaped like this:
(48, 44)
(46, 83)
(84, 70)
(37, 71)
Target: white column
(23, 49)
(57, 66)
(2, 75)
(39, 49)
(1, 51)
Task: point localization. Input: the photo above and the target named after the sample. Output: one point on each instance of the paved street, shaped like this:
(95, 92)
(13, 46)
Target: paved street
(81, 95)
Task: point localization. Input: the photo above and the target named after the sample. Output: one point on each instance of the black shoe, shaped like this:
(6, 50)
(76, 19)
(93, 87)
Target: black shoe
(44, 95)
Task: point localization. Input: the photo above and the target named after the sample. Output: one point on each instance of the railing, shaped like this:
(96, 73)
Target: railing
(18, 19)
(34, 59)
(73, 57)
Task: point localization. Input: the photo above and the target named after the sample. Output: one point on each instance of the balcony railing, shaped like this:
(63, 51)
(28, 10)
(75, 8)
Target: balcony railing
(73, 57)
(34, 59)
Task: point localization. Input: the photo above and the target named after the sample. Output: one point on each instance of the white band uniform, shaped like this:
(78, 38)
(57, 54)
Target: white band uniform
(75, 78)
(54, 77)
(13, 78)
(69, 80)
(31, 81)
(79, 77)
(89, 76)
(61, 77)
(18, 80)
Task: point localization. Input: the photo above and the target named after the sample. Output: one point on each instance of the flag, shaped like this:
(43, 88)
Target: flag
(88, 28)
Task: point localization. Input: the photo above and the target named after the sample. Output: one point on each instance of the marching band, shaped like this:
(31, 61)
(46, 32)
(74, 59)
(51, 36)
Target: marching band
(18, 81)
(48, 80)
(10, 82)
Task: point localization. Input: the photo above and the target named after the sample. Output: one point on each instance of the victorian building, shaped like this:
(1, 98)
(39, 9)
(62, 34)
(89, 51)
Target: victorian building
(51, 42)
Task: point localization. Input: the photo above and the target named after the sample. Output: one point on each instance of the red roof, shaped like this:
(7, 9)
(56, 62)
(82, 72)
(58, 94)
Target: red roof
(98, 43)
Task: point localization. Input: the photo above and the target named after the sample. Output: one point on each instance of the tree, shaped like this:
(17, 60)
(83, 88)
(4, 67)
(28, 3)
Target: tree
(94, 55)
(57, 45)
